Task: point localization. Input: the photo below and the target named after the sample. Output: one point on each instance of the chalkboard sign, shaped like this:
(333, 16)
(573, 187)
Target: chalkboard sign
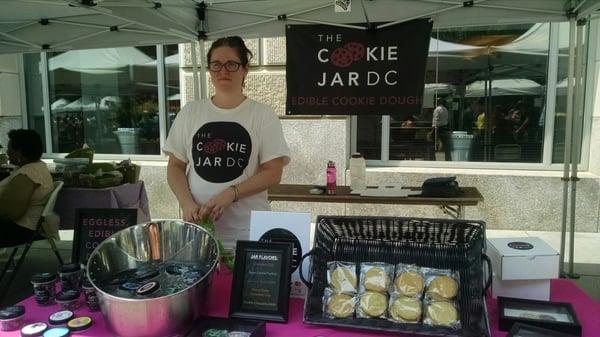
(261, 281)
(93, 225)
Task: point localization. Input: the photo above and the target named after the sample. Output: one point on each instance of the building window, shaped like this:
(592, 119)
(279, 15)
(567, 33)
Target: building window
(491, 81)
(105, 98)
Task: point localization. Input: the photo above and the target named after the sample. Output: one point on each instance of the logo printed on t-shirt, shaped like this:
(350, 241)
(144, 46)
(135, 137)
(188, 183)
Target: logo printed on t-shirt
(221, 151)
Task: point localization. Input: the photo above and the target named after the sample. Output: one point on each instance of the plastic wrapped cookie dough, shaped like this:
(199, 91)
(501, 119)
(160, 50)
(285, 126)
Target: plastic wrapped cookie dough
(441, 284)
(409, 281)
(338, 305)
(372, 304)
(341, 277)
(441, 313)
(375, 276)
(405, 309)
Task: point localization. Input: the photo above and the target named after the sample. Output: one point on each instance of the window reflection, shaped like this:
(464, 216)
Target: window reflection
(107, 98)
(492, 82)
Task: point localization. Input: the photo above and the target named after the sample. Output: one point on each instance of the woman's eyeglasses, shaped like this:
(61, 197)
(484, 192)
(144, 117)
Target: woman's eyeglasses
(230, 66)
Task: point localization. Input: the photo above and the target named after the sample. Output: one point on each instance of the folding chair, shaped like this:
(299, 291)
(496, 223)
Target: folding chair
(40, 234)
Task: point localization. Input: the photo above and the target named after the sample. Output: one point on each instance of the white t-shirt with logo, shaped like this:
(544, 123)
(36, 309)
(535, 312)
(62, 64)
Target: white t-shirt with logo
(223, 147)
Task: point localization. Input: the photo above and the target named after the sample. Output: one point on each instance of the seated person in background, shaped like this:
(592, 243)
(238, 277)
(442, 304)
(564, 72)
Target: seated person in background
(24, 193)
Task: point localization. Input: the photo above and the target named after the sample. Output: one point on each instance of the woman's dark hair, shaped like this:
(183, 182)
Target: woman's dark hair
(234, 42)
(28, 142)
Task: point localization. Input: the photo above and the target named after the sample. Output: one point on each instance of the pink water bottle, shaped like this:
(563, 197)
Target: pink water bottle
(331, 177)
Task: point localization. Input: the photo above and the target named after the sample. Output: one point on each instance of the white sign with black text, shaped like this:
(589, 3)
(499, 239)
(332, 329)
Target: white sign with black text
(285, 227)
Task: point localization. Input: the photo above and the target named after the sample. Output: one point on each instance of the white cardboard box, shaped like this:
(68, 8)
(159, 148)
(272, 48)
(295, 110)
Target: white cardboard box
(522, 267)
(292, 227)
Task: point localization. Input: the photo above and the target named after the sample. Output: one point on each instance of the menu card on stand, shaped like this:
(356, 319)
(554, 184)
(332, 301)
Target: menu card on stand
(261, 281)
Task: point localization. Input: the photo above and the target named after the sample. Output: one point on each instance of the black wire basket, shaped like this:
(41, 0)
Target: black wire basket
(436, 243)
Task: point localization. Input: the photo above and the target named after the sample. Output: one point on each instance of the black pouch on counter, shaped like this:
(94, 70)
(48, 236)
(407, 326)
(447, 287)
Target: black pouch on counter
(444, 187)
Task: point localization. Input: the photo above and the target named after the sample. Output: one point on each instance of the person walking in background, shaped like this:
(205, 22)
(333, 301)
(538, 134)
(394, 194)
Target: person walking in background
(225, 151)
(440, 126)
(24, 193)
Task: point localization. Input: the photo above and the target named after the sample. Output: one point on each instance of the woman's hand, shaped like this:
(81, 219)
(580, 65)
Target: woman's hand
(216, 205)
(191, 212)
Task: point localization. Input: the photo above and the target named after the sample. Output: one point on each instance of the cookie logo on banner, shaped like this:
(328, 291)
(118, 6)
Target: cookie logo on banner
(221, 151)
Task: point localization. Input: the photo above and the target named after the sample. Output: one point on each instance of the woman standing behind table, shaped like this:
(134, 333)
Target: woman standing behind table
(24, 193)
(226, 151)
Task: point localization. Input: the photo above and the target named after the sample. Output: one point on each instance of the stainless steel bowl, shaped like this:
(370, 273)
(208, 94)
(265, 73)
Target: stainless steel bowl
(154, 242)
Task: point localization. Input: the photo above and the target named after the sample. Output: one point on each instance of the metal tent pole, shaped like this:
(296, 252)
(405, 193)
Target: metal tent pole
(195, 71)
(576, 144)
(567, 146)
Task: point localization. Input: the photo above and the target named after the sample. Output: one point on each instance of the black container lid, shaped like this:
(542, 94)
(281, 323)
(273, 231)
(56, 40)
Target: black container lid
(34, 329)
(67, 295)
(70, 267)
(144, 274)
(79, 323)
(61, 317)
(12, 311)
(131, 286)
(43, 277)
(148, 288)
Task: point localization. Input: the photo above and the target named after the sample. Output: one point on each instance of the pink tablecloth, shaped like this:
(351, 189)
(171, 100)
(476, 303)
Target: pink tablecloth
(586, 308)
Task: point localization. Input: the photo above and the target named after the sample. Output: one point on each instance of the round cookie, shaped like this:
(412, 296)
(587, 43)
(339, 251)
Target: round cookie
(442, 313)
(409, 283)
(373, 304)
(340, 306)
(442, 288)
(376, 279)
(343, 279)
(406, 309)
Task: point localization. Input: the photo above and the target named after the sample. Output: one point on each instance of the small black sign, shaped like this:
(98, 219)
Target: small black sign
(261, 281)
(93, 225)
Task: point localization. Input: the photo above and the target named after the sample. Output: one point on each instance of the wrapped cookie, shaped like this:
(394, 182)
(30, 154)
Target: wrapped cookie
(441, 313)
(375, 276)
(408, 281)
(372, 304)
(403, 309)
(441, 284)
(338, 305)
(341, 277)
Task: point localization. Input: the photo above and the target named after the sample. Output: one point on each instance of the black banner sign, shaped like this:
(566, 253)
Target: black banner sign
(343, 71)
(96, 224)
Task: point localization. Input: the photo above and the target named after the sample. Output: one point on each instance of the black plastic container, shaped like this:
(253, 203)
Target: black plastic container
(70, 277)
(44, 288)
(435, 243)
(91, 298)
(12, 318)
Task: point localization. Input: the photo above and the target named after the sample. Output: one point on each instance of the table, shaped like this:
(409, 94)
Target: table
(587, 309)
(452, 206)
(122, 196)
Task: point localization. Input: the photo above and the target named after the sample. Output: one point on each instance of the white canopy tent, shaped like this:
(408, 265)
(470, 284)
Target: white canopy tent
(99, 61)
(39, 25)
(505, 87)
